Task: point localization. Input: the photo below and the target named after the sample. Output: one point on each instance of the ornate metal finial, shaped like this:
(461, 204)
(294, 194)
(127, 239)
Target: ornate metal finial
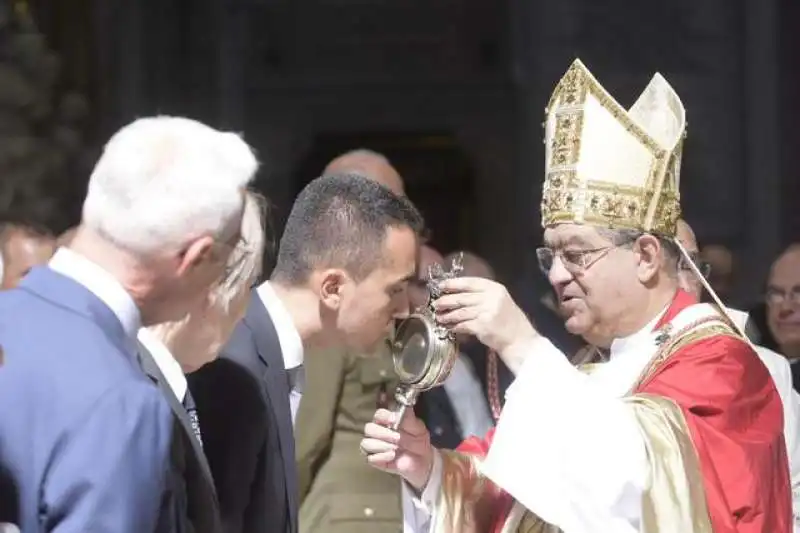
(437, 274)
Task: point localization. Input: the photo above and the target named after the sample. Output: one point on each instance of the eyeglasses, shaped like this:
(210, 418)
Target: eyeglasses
(777, 295)
(575, 261)
(703, 266)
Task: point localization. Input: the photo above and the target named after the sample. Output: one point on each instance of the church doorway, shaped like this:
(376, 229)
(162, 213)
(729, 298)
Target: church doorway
(438, 176)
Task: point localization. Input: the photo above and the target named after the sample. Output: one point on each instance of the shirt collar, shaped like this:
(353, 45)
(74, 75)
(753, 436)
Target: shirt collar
(100, 283)
(288, 336)
(166, 362)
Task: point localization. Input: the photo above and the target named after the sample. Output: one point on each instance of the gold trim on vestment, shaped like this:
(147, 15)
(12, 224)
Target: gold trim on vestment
(674, 500)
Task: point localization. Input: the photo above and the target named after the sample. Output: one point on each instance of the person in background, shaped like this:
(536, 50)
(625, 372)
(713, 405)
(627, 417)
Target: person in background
(783, 307)
(88, 439)
(339, 492)
(723, 269)
(23, 247)
(169, 350)
(341, 278)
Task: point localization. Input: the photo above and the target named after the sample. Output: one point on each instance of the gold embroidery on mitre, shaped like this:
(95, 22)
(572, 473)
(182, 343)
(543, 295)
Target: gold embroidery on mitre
(578, 190)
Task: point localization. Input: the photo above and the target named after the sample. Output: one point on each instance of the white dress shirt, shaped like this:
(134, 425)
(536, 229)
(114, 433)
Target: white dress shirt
(554, 476)
(102, 284)
(166, 362)
(113, 294)
(468, 399)
(290, 342)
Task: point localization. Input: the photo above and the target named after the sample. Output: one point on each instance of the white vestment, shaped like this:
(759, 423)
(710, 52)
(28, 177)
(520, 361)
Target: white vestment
(555, 477)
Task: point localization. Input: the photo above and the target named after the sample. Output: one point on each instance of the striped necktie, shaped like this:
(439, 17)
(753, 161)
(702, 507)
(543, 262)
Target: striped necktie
(191, 409)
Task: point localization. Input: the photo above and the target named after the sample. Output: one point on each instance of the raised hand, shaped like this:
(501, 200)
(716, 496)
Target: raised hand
(483, 308)
(406, 452)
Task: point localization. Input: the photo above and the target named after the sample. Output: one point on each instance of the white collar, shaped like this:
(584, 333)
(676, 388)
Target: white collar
(630, 355)
(288, 336)
(166, 362)
(738, 317)
(100, 283)
(643, 335)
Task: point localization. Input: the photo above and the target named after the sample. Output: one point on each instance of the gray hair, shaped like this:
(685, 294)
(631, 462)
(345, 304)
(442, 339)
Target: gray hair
(626, 237)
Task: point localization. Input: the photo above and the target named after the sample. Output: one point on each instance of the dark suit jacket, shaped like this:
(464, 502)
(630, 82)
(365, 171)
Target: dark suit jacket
(84, 433)
(9, 498)
(190, 503)
(243, 404)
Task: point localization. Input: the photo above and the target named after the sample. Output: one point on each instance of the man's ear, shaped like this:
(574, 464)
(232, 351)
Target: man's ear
(648, 250)
(199, 250)
(332, 284)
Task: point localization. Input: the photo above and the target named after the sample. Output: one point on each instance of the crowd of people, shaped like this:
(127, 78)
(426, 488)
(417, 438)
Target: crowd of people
(154, 379)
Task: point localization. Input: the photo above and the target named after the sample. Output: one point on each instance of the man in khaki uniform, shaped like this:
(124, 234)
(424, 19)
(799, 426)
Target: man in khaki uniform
(339, 492)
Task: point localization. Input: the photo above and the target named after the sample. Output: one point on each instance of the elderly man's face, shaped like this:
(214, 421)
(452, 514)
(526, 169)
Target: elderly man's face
(592, 278)
(783, 301)
(24, 250)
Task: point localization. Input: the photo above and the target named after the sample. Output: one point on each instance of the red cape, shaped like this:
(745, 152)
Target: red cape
(735, 418)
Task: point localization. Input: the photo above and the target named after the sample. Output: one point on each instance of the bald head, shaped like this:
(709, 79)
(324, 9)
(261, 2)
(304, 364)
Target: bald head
(369, 164)
(474, 265)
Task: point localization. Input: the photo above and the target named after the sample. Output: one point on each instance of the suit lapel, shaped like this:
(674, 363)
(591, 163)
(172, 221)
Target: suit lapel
(150, 368)
(276, 387)
(68, 293)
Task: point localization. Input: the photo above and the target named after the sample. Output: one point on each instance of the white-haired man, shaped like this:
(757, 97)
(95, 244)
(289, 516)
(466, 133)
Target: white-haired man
(681, 430)
(88, 440)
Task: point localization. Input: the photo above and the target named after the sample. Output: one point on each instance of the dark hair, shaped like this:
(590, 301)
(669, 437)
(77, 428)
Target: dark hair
(340, 221)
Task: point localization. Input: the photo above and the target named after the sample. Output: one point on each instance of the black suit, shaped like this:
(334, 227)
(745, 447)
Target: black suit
(243, 402)
(190, 501)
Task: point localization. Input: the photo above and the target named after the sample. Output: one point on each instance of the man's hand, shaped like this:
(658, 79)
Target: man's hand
(406, 452)
(481, 307)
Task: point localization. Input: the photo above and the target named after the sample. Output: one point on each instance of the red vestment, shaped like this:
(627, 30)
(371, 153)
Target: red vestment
(735, 418)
